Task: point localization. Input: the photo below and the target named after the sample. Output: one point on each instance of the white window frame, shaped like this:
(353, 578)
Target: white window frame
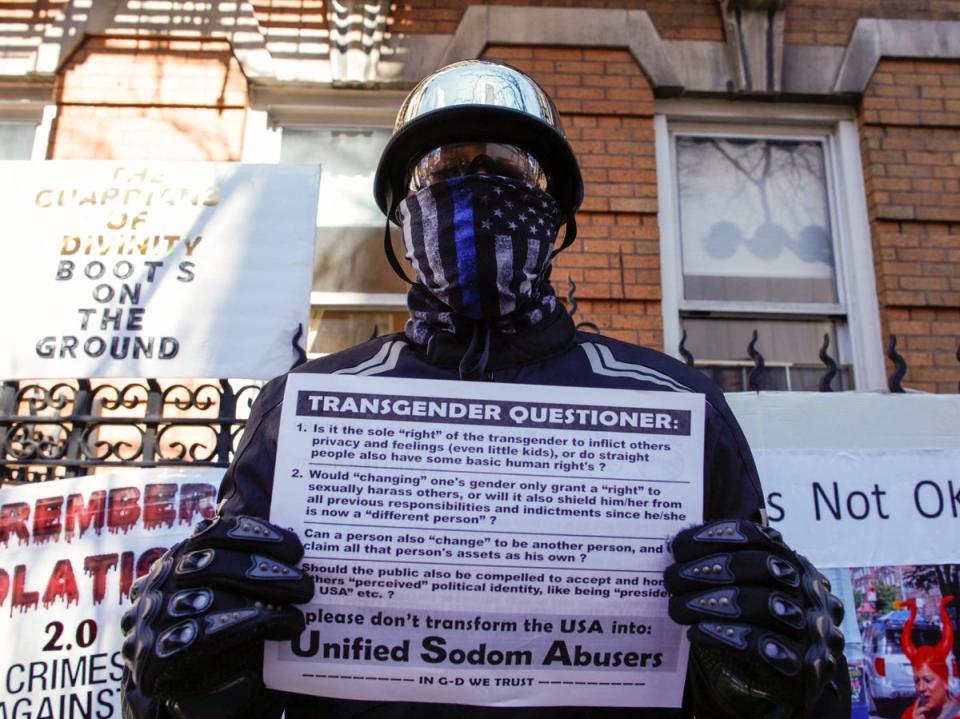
(41, 114)
(273, 109)
(856, 284)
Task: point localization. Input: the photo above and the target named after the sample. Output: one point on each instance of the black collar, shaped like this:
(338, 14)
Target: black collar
(553, 334)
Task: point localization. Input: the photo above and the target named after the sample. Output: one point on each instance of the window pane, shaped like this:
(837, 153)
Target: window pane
(790, 349)
(348, 159)
(16, 140)
(349, 249)
(334, 330)
(754, 220)
(351, 259)
(777, 340)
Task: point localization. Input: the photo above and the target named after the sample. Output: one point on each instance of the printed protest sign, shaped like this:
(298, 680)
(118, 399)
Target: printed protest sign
(865, 485)
(69, 552)
(160, 270)
(483, 543)
(880, 523)
(862, 507)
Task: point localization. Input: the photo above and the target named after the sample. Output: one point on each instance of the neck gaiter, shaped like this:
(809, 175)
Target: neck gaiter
(480, 246)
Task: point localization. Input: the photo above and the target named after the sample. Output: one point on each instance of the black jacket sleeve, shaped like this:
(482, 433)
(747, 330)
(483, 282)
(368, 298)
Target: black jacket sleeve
(248, 483)
(731, 484)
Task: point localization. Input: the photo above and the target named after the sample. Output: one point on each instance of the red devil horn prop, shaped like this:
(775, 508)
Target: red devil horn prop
(906, 637)
(945, 645)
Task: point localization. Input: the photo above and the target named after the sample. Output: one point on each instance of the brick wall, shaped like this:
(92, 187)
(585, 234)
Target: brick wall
(688, 19)
(607, 109)
(288, 15)
(807, 22)
(830, 22)
(910, 131)
(26, 14)
(927, 337)
(141, 99)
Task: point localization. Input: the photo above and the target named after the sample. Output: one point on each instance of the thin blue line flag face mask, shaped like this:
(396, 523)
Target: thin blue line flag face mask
(480, 243)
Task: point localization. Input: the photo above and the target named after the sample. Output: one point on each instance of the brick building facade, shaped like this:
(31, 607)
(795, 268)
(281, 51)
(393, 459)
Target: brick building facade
(786, 167)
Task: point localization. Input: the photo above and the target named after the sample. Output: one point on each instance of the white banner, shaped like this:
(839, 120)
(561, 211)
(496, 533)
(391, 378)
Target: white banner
(855, 508)
(486, 543)
(159, 270)
(69, 552)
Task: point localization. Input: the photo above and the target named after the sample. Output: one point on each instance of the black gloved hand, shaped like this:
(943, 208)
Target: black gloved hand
(764, 623)
(194, 633)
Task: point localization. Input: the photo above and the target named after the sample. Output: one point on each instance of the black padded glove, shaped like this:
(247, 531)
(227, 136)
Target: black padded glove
(194, 633)
(764, 623)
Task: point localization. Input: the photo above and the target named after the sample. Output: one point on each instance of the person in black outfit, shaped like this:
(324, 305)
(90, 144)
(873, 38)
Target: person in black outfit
(480, 178)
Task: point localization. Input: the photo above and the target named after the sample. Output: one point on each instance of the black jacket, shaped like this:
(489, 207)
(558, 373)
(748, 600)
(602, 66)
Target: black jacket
(551, 353)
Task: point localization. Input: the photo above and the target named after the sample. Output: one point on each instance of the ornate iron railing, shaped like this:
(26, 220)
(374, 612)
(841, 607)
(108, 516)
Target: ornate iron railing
(756, 374)
(65, 428)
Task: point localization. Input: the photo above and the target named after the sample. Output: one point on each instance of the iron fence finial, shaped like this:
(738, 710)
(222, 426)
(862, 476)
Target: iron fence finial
(753, 381)
(831, 365)
(901, 366)
(687, 356)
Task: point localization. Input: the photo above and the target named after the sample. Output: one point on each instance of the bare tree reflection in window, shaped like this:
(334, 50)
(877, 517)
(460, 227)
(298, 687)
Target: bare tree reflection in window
(755, 220)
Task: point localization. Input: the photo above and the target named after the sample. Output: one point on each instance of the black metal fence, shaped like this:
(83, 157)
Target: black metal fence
(59, 429)
(761, 375)
(758, 373)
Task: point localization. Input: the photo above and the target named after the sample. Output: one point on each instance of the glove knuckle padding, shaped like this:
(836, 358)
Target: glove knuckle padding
(230, 585)
(747, 594)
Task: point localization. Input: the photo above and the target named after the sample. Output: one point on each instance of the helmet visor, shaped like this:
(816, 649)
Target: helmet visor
(469, 158)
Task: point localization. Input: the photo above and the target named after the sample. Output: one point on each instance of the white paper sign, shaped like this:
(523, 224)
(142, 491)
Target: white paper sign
(485, 543)
(69, 552)
(158, 270)
(857, 508)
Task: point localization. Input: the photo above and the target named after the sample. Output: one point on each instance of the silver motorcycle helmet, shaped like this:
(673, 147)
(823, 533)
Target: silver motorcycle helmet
(478, 101)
